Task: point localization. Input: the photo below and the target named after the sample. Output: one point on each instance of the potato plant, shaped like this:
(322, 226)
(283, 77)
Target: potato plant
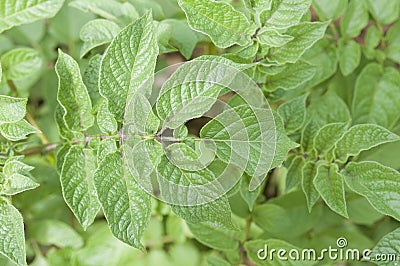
(199, 132)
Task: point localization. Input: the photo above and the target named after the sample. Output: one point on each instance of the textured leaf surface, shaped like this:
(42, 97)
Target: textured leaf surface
(78, 185)
(291, 77)
(285, 13)
(328, 136)
(241, 134)
(97, 32)
(362, 137)
(305, 35)
(377, 96)
(139, 117)
(220, 21)
(105, 118)
(20, 63)
(283, 143)
(355, 18)
(309, 172)
(18, 105)
(273, 38)
(349, 57)
(128, 64)
(330, 185)
(126, 206)
(18, 12)
(389, 244)
(216, 212)
(12, 240)
(16, 179)
(378, 183)
(17, 131)
(73, 95)
(91, 79)
(293, 113)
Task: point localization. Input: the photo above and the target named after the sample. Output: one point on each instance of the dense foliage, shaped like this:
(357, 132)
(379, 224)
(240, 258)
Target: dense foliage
(310, 134)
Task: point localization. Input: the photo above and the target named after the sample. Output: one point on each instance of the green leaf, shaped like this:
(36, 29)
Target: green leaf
(272, 37)
(309, 172)
(293, 113)
(105, 119)
(362, 137)
(97, 32)
(17, 131)
(18, 12)
(280, 216)
(17, 105)
(360, 210)
(305, 35)
(382, 192)
(16, 180)
(73, 95)
(283, 143)
(292, 76)
(20, 63)
(249, 197)
(1, 72)
(389, 245)
(349, 56)
(139, 117)
(12, 240)
(355, 18)
(182, 37)
(293, 176)
(64, 131)
(78, 186)
(376, 95)
(308, 134)
(330, 185)
(126, 206)
(108, 9)
(259, 252)
(128, 64)
(91, 79)
(323, 57)
(106, 147)
(215, 238)
(393, 42)
(329, 108)
(60, 156)
(216, 212)
(285, 13)
(220, 21)
(328, 136)
(54, 232)
(373, 37)
(242, 131)
(327, 9)
(384, 11)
